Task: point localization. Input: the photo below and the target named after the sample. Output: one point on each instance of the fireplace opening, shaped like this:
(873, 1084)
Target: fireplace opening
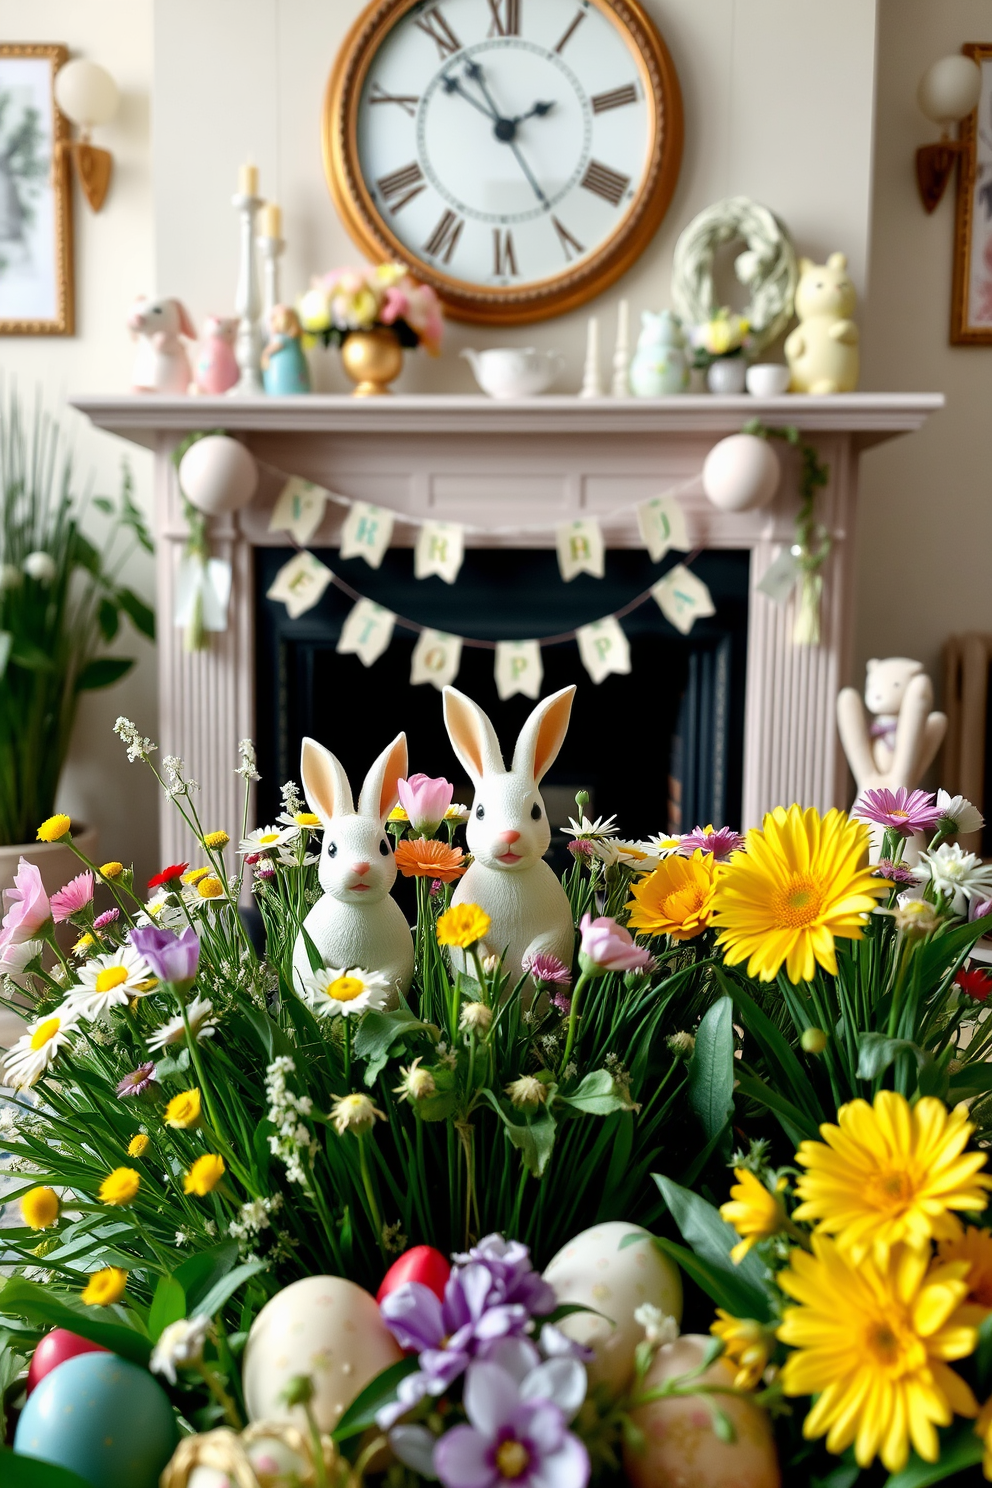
(660, 748)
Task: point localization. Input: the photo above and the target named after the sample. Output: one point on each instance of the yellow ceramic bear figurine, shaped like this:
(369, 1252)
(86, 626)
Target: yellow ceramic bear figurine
(822, 352)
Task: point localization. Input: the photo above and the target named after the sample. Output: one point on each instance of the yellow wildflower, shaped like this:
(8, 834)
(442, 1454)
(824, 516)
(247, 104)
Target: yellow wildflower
(398, 814)
(210, 888)
(204, 1176)
(183, 1110)
(755, 1213)
(83, 944)
(120, 1187)
(462, 925)
(54, 828)
(138, 1145)
(215, 840)
(677, 898)
(194, 875)
(306, 819)
(746, 1344)
(111, 870)
(105, 1287)
(40, 1208)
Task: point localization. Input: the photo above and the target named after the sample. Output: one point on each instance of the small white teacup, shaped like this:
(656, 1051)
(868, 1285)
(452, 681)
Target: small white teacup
(767, 380)
(514, 371)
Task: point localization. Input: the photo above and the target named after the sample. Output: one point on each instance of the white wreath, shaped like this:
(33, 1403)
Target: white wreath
(767, 267)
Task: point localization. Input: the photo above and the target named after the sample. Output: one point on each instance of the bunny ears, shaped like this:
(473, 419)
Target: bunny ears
(474, 740)
(326, 787)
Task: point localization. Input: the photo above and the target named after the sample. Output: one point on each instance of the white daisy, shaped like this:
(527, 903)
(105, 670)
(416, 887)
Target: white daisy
(663, 843)
(958, 875)
(331, 992)
(959, 810)
(302, 820)
(290, 860)
(201, 1025)
(37, 1049)
(457, 812)
(601, 827)
(111, 981)
(632, 854)
(263, 839)
(180, 1344)
(16, 958)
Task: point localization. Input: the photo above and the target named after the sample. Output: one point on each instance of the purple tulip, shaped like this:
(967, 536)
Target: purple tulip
(173, 958)
(516, 1437)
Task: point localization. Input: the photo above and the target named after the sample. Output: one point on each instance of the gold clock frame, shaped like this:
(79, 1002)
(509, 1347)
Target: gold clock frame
(542, 298)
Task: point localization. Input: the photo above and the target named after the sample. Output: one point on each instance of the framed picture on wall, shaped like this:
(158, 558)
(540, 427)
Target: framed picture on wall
(971, 297)
(36, 290)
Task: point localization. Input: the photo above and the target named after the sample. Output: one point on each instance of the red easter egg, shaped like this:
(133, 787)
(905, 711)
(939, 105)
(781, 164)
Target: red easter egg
(424, 1264)
(54, 1349)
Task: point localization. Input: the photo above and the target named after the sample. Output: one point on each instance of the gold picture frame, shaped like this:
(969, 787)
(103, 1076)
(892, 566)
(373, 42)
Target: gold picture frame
(36, 278)
(971, 293)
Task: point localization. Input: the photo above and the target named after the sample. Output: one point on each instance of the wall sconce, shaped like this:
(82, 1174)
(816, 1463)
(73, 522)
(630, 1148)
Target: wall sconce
(948, 92)
(88, 96)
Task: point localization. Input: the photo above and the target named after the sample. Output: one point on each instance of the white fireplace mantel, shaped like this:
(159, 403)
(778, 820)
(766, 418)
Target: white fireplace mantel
(536, 463)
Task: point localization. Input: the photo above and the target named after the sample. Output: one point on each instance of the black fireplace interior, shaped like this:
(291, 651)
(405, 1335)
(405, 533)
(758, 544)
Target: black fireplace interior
(660, 747)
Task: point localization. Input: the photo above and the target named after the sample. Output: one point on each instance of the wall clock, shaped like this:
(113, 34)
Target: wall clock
(517, 154)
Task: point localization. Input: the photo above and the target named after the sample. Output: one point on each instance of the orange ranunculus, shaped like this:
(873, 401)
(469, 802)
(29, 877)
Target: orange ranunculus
(425, 857)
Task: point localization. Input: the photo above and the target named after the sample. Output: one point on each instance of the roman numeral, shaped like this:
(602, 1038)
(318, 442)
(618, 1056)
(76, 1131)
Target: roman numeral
(616, 99)
(444, 239)
(405, 184)
(580, 17)
(604, 182)
(504, 258)
(407, 101)
(433, 24)
(566, 239)
(506, 17)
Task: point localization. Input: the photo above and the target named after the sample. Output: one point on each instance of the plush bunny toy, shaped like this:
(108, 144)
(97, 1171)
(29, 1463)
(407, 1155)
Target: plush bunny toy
(508, 832)
(356, 923)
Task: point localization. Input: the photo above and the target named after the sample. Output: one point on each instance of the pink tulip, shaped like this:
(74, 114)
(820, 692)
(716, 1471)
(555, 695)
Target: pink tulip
(425, 801)
(394, 307)
(607, 946)
(77, 893)
(28, 906)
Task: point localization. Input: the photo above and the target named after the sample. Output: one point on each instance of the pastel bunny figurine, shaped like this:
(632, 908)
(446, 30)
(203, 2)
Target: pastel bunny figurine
(160, 362)
(508, 831)
(356, 923)
(217, 367)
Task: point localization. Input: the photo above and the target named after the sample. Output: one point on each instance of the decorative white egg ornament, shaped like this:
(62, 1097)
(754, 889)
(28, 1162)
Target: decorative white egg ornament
(741, 473)
(681, 1448)
(218, 474)
(595, 1272)
(322, 1326)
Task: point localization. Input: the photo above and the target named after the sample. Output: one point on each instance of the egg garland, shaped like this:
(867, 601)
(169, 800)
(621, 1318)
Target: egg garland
(741, 473)
(218, 474)
(54, 1349)
(421, 1263)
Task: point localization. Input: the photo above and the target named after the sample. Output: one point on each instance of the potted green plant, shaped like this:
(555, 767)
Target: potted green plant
(61, 603)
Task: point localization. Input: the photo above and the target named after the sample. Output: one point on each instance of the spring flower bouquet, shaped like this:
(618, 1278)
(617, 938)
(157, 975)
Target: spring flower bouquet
(723, 335)
(343, 1232)
(361, 299)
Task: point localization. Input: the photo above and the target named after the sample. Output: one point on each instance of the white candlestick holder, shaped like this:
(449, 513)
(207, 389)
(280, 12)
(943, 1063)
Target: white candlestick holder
(271, 250)
(620, 386)
(592, 387)
(248, 346)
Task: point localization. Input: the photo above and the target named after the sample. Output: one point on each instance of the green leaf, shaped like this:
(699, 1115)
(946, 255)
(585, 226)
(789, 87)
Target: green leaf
(313, 955)
(139, 614)
(83, 553)
(103, 672)
(720, 1288)
(597, 1095)
(380, 1391)
(712, 1240)
(18, 1471)
(24, 654)
(876, 1052)
(795, 1123)
(199, 1273)
(6, 645)
(972, 1079)
(784, 1067)
(35, 1303)
(109, 619)
(224, 1289)
(378, 1033)
(103, 505)
(711, 1068)
(535, 1139)
(168, 1306)
(959, 1449)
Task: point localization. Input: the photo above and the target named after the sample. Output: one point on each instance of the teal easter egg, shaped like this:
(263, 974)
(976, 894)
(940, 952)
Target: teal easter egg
(103, 1418)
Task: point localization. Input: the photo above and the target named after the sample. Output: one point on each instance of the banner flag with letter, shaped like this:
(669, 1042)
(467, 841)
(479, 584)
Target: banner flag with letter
(366, 533)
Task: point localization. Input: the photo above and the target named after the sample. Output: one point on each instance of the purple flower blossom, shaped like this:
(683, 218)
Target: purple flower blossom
(902, 810)
(514, 1280)
(138, 1081)
(979, 909)
(107, 918)
(173, 958)
(580, 848)
(265, 870)
(897, 872)
(547, 970)
(721, 842)
(437, 884)
(562, 1002)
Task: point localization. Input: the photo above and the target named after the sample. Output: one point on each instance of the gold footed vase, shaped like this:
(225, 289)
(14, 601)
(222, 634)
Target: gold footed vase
(372, 359)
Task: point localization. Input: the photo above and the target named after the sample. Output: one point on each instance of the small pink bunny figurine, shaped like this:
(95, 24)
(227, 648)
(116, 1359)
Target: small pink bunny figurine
(160, 363)
(216, 365)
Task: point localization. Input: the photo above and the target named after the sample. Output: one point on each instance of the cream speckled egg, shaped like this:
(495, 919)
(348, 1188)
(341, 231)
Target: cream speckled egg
(218, 474)
(322, 1326)
(593, 1270)
(681, 1448)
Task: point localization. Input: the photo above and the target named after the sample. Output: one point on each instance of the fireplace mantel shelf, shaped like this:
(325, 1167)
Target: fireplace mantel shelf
(869, 417)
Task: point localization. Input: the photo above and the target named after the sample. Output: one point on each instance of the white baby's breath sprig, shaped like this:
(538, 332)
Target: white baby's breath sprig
(138, 747)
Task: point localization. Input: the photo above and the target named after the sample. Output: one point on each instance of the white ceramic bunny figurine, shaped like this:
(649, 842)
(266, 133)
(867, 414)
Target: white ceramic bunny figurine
(508, 832)
(356, 923)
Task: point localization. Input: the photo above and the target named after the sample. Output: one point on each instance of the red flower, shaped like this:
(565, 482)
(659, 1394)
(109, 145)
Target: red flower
(975, 982)
(168, 875)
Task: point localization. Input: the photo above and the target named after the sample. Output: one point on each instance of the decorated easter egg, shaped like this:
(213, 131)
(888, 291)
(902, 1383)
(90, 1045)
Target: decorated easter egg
(594, 1271)
(421, 1263)
(101, 1417)
(218, 474)
(680, 1446)
(741, 473)
(322, 1326)
(54, 1349)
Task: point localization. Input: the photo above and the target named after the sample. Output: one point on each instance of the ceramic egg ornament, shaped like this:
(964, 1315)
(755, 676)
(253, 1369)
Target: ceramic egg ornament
(420, 1263)
(54, 1349)
(323, 1326)
(217, 474)
(103, 1418)
(680, 1445)
(594, 1271)
(741, 473)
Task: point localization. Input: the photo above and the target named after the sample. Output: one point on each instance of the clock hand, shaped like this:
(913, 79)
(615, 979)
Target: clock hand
(452, 85)
(539, 110)
(503, 128)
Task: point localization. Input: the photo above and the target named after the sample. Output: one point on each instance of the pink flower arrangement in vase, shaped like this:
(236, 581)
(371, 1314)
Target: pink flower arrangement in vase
(380, 311)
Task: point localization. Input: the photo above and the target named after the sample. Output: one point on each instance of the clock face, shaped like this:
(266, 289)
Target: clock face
(516, 153)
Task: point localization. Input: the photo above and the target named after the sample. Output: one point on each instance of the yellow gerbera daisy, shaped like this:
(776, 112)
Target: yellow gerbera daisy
(803, 882)
(755, 1213)
(120, 1187)
(40, 1208)
(462, 925)
(891, 1172)
(204, 1176)
(747, 1344)
(677, 898)
(105, 1287)
(54, 828)
(974, 1246)
(873, 1343)
(183, 1110)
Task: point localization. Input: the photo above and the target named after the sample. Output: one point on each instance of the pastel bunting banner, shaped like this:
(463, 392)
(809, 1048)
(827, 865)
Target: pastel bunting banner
(780, 577)
(366, 632)
(366, 533)
(603, 648)
(682, 598)
(581, 549)
(440, 550)
(519, 668)
(662, 526)
(299, 509)
(204, 585)
(436, 659)
(300, 584)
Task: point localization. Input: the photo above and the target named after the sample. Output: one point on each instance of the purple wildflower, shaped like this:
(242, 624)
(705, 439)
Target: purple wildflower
(138, 1081)
(266, 870)
(721, 842)
(562, 1002)
(107, 918)
(437, 884)
(173, 958)
(979, 909)
(897, 872)
(547, 970)
(902, 810)
(580, 848)
(514, 1280)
